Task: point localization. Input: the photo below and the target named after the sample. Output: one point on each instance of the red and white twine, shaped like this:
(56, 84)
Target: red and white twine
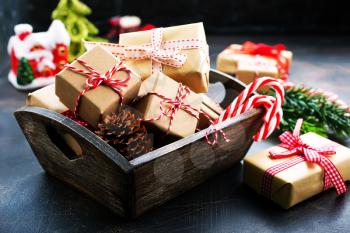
(303, 152)
(169, 107)
(95, 79)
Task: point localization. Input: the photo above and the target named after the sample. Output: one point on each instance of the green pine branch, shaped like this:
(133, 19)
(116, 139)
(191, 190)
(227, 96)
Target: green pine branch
(320, 115)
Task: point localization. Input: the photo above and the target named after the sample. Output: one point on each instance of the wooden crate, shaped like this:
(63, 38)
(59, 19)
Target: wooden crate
(129, 188)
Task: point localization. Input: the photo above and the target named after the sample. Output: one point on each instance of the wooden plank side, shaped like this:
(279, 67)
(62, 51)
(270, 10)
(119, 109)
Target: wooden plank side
(169, 175)
(94, 173)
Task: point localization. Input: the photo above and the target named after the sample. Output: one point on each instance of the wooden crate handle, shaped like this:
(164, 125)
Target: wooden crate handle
(45, 129)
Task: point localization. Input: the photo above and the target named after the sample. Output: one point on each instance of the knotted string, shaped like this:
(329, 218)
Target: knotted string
(95, 79)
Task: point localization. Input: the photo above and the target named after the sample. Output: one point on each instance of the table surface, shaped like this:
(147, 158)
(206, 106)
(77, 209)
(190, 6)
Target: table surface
(32, 201)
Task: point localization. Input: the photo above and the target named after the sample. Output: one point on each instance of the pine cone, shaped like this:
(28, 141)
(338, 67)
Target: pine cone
(124, 132)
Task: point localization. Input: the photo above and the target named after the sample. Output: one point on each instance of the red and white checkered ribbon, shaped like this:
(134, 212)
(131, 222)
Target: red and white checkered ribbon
(160, 52)
(169, 107)
(295, 146)
(246, 101)
(95, 79)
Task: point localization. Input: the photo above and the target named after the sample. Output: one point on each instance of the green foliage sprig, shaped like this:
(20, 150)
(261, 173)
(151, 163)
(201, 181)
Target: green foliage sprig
(321, 115)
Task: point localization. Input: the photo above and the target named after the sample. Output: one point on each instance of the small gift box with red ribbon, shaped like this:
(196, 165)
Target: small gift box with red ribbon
(229, 60)
(180, 52)
(299, 168)
(250, 69)
(94, 85)
(169, 106)
(45, 98)
(211, 111)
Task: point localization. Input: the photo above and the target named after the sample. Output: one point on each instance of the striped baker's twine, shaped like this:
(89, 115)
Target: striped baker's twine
(95, 79)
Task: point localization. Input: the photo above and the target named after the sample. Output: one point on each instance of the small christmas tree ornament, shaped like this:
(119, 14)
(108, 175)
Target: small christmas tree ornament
(73, 14)
(37, 57)
(124, 131)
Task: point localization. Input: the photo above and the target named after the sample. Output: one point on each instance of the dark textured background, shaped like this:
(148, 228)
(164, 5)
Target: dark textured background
(271, 17)
(31, 201)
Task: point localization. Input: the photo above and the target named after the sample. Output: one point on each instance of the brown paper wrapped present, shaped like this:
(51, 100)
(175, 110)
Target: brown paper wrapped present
(46, 98)
(250, 69)
(194, 73)
(298, 182)
(211, 108)
(183, 123)
(101, 101)
(229, 59)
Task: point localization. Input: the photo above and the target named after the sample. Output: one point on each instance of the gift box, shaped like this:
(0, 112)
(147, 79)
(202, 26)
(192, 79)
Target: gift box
(160, 93)
(250, 69)
(101, 100)
(229, 59)
(211, 109)
(192, 48)
(294, 179)
(46, 98)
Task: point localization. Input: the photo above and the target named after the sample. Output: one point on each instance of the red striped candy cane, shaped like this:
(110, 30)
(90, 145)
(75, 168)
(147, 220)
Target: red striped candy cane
(246, 101)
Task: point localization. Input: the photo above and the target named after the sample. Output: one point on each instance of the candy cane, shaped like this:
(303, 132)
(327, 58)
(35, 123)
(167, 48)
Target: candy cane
(245, 102)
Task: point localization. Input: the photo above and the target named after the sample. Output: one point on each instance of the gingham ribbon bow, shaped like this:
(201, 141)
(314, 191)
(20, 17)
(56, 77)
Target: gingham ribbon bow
(95, 79)
(295, 146)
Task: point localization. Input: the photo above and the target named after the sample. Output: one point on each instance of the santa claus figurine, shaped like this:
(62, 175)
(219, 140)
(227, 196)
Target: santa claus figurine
(37, 57)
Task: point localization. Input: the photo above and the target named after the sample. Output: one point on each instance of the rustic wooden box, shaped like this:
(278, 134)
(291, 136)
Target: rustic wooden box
(129, 188)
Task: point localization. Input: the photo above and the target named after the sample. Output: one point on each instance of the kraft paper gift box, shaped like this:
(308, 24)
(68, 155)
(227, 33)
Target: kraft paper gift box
(211, 108)
(194, 73)
(184, 124)
(299, 182)
(46, 98)
(250, 69)
(228, 61)
(96, 103)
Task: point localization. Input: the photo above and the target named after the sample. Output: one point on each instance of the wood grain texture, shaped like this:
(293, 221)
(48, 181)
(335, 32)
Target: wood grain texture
(173, 173)
(99, 173)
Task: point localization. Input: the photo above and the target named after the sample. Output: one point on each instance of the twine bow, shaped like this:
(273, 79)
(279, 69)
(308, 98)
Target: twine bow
(274, 52)
(295, 146)
(169, 107)
(95, 79)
